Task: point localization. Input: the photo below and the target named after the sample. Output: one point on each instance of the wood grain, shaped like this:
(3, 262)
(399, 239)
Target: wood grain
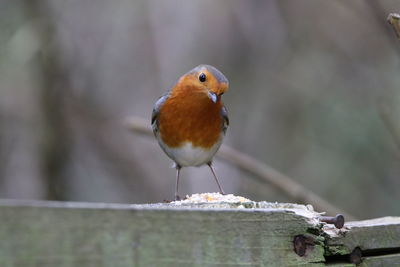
(41, 233)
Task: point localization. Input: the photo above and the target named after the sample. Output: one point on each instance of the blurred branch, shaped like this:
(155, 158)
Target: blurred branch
(259, 169)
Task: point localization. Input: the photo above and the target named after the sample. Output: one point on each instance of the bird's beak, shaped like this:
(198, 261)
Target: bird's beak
(213, 96)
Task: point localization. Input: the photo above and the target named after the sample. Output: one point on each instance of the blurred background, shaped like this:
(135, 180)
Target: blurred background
(314, 93)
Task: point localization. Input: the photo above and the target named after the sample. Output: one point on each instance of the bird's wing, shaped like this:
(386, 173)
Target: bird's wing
(156, 110)
(225, 123)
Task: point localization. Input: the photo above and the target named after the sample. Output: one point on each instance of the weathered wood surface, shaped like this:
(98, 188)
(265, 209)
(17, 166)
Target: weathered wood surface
(381, 233)
(68, 234)
(378, 239)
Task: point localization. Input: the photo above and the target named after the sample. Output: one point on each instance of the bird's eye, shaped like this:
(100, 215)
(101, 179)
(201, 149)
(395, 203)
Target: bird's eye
(202, 77)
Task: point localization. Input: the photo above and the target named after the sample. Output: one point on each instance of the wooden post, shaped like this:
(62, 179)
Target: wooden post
(42, 233)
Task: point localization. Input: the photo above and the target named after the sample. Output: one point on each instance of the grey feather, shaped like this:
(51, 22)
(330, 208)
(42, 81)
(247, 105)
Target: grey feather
(225, 123)
(156, 110)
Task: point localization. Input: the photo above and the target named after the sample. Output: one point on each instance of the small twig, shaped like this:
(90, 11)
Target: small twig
(259, 169)
(394, 20)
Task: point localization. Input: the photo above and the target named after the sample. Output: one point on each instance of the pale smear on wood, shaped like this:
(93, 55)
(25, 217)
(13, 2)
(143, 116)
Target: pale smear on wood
(213, 198)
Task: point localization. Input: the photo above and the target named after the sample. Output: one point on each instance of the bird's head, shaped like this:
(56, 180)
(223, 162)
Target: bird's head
(207, 79)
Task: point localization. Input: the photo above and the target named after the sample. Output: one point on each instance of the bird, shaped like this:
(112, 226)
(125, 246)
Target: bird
(190, 121)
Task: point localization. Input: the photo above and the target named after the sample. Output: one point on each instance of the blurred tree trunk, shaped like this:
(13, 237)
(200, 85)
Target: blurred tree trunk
(53, 76)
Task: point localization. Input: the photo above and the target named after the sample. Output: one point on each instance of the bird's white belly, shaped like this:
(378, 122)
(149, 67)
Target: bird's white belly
(187, 155)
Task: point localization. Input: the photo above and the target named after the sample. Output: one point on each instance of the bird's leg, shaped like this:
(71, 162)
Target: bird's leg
(178, 169)
(216, 178)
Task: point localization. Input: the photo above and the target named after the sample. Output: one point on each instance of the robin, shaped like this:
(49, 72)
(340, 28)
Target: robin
(190, 121)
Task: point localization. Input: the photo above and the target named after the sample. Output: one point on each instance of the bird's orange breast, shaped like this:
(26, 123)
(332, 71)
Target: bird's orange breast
(190, 116)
